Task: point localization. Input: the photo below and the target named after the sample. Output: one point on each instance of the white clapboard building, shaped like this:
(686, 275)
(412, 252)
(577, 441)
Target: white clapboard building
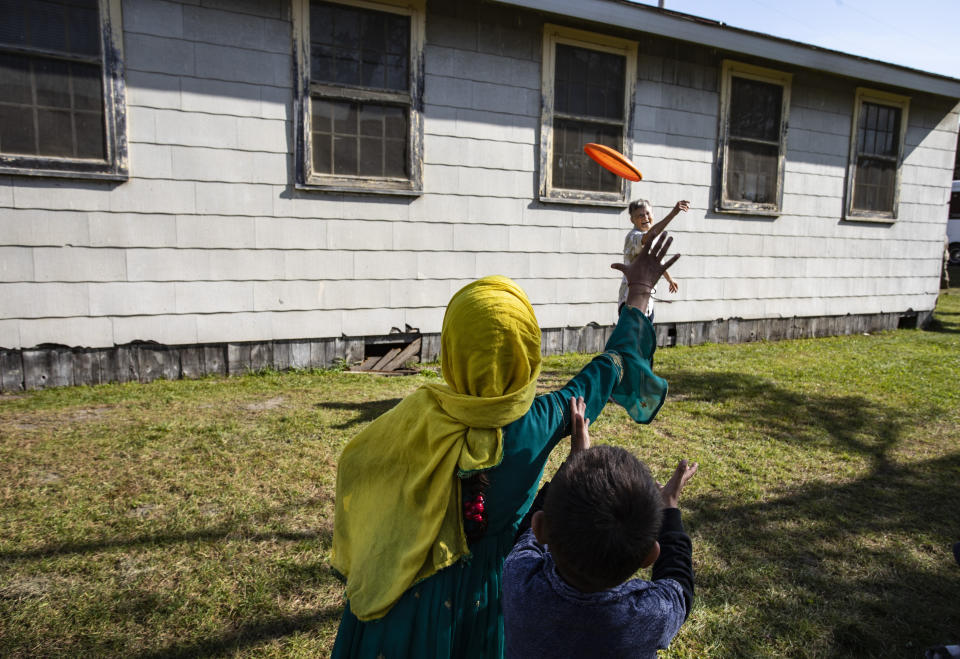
(211, 186)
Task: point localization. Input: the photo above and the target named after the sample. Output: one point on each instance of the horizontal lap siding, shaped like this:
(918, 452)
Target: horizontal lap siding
(806, 261)
(208, 242)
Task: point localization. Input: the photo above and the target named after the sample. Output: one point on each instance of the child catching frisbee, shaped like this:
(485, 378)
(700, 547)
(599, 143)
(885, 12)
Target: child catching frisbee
(643, 231)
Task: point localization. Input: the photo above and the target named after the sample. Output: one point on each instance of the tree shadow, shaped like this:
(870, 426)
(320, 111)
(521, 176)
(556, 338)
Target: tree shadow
(239, 528)
(804, 553)
(248, 634)
(852, 423)
(366, 411)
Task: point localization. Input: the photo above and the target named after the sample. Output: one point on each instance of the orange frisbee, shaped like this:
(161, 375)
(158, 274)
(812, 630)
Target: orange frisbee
(613, 160)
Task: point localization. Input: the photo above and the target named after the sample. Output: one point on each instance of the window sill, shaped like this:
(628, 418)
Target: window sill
(583, 201)
(358, 189)
(759, 211)
(887, 218)
(86, 175)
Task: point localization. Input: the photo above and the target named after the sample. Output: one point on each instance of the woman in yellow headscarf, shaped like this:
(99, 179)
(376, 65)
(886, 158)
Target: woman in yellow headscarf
(430, 494)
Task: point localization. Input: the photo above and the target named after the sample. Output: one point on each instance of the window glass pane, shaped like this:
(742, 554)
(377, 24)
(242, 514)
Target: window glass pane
(53, 82)
(398, 34)
(90, 138)
(752, 172)
(395, 158)
(322, 120)
(874, 185)
(371, 156)
(322, 63)
(954, 205)
(371, 121)
(397, 72)
(345, 118)
(364, 139)
(346, 67)
(589, 82)
(17, 130)
(755, 109)
(879, 130)
(83, 29)
(61, 107)
(48, 25)
(346, 27)
(359, 47)
(374, 69)
(323, 154)
(345, 155)
(87, 91)
(395, 123)
(55, 132)
(572, 168)
(13, 22)
(956, 163)
(15, 79)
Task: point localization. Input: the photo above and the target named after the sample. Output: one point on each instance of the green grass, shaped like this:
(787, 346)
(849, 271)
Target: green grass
(194, 518)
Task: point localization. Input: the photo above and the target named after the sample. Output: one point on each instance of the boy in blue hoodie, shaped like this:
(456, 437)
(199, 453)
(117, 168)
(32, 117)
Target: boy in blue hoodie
(567, 589)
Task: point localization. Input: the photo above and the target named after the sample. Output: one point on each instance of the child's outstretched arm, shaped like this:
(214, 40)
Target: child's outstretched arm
(657, 228)
(673, 285)
(676, 551)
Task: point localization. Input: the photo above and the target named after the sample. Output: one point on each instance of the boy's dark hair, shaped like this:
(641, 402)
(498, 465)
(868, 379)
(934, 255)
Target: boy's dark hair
(636, 204)
(603, 513)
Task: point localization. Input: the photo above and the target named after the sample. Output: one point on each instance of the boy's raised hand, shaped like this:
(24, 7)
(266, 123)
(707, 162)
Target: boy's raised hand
(671, 491)
(646, 269)
(579, 426)
(682, 205)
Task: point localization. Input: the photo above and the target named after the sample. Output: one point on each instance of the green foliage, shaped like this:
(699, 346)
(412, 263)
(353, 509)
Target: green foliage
(195, 517)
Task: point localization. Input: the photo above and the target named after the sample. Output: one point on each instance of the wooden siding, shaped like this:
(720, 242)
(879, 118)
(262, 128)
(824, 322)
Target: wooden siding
(210, 243)
(143, 362)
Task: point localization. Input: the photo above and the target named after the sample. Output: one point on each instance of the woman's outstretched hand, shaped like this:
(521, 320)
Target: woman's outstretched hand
(643, 273)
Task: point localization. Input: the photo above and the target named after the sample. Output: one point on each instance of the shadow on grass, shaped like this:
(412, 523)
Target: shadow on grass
(215, 534)
(366, 412)
(823, 553)
(248, 634)
(852, 423)
(239, 528)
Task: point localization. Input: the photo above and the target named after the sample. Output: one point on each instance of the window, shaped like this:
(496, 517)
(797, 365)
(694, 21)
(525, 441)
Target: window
(876, 148)
(754, 103)
(360, 126)
(588, 86)
(61, 89)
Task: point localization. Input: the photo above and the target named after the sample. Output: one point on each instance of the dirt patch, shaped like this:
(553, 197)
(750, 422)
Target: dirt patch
(143, 512)
(49, 477)
(22, 587)
(84, 415)
(270, 404)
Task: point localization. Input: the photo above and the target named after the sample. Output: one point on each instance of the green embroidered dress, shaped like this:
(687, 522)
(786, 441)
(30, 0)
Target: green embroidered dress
(456, 612)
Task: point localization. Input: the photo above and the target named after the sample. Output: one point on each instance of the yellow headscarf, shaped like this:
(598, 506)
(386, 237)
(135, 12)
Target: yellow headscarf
(398, 517)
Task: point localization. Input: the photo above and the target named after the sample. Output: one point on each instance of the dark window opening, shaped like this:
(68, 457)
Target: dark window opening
(360, 92)
(877, 154)
(52, 102)
(753, 141)
(589, 88)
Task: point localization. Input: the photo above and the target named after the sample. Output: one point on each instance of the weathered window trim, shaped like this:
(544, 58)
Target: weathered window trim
(306, 179)
(558, 34)
(880, 98)
(730, 70)
(115, 167)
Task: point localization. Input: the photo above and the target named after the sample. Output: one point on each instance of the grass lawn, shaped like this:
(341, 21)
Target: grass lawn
(192, 518)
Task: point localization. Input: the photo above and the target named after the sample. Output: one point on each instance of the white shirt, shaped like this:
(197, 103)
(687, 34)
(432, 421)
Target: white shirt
(631, 248)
